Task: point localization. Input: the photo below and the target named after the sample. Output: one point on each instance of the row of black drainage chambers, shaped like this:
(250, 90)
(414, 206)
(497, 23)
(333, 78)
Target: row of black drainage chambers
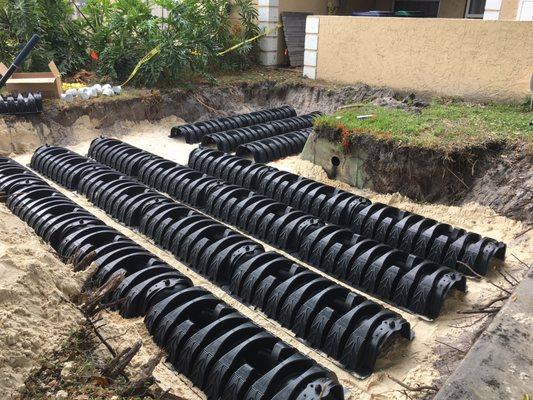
(217, 348)
(228, 141)
(407, 281)
(343, 324)
(412, 233)
(193, 133)
(276, 147)
(21, 104)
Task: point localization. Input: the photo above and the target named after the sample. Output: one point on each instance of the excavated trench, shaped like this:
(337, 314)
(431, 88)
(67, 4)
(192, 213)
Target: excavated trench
(497, 175)
(145, 119)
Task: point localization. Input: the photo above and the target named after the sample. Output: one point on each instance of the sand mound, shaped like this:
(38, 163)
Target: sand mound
(34, 318)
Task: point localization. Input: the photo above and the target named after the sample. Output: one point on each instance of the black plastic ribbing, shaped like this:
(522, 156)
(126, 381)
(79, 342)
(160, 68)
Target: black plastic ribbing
(412, 233)
(399, 278)
(313, 307)
(19, 103)
(229, 140)
(217, 348)
(193, 133)
(274, 148)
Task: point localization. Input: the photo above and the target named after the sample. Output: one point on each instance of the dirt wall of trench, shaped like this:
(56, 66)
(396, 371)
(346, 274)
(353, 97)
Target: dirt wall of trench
(496, 175)
(55, 125)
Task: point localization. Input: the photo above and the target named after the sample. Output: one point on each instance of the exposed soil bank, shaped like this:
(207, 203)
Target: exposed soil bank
(497, 175)
(35, 316)
(54, 126)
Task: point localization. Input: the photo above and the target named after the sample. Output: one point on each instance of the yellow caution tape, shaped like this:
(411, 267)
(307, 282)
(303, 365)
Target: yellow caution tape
(266, 33)
(156, 50)
(151, 54)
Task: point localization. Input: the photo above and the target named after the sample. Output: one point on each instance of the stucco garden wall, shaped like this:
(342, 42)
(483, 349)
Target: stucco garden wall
(473, 59)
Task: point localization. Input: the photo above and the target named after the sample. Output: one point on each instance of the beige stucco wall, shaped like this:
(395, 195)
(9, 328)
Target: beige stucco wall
(447, 57)
(509, 9)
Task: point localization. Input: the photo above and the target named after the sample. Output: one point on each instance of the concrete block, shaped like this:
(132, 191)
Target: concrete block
(491, 15)
(310, 72)
(493, 5)
(269, 58)
(311, 42)
(268, 14)
(268, 43)
(310, 58)
(312, 24)
(269, 27)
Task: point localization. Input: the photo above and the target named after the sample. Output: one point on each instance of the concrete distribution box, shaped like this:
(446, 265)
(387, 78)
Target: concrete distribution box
(48, 83)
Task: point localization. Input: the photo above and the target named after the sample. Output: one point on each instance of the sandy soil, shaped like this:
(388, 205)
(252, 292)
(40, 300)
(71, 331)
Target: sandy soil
(427, 360)
(34, 315)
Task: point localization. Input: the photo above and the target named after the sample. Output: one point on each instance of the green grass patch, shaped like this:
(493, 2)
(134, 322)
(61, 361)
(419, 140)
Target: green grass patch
(452, 125)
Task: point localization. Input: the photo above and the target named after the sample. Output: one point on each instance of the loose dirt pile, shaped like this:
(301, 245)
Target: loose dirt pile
(37, 314)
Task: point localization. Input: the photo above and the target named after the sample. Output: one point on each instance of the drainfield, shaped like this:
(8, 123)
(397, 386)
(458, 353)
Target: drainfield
(255, 280)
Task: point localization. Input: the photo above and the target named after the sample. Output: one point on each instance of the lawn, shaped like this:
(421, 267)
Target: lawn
(440, 125)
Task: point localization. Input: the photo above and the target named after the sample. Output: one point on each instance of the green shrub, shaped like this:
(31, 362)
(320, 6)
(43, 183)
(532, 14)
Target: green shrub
(118, 33)
(62, 38)
(190, 36)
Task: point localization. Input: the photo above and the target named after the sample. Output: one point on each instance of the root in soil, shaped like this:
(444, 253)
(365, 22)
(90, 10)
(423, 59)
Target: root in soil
(75, 371)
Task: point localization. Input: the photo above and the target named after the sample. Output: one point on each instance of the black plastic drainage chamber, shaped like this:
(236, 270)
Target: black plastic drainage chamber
(274, 148)
(220, 350)
(193, 133)
(425, 237)
(314, 308)
(407, 281)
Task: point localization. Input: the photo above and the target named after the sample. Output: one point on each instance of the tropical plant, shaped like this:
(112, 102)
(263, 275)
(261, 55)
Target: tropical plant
(62, 37)
(182, 37)
(189, 36)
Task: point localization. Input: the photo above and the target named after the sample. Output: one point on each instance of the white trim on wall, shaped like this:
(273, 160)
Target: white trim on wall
(492, 9)
(312, 27)
(268, 19)
(525, 11)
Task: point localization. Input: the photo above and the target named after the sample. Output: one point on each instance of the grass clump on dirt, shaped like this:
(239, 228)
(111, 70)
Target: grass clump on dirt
(448, 126)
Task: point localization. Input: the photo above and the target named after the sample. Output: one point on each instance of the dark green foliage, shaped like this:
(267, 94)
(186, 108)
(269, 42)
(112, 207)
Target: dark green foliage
(62, 37)
(190, 35)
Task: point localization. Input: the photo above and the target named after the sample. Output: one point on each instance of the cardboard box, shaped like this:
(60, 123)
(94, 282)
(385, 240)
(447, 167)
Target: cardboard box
(48, 83)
